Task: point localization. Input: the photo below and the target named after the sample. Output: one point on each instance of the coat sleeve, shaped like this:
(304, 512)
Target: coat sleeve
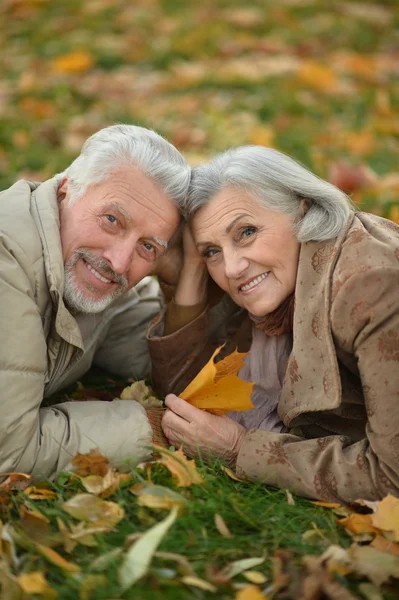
(124, 348)
(41, 441)
(365, 323)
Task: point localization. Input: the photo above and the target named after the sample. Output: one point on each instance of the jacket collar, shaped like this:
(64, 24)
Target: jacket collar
(312, 380)
(46, 213)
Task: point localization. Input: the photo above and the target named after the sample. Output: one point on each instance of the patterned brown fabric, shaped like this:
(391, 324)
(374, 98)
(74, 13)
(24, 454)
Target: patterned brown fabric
(340, 394)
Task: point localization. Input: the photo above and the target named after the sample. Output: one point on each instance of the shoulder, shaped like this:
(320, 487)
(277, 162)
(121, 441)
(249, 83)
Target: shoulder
(370, 246)
(18, 230)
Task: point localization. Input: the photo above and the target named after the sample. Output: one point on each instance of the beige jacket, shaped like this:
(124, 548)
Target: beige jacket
(340, 395)
(44, 348)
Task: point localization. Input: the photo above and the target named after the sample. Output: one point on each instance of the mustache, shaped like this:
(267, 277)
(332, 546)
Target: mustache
(98, 263)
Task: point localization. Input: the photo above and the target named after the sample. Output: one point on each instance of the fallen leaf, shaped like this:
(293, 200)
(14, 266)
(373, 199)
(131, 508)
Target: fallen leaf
(73, 62)
(90, 584)
(183, 469)
(377, 566)
(102, 486)
(199, 583)
(255, 577)
(105, 560)
(34, 492)
(14, 481)
(182, 561)
(139, 556)
(250, 592)
(217, 388)
(159, 496)
(381, 543)
(351, 178)
(290, 498)
(86, 507)
(9, 587)
(56, 559)
(357, 523)
(386, 516)
(318, 76)
(370, 592)
(222, 527)
(36, 583)
(326, 504)
(30, 514)
(232, 475)
(239, 566)
(91, 463)
(141, 393)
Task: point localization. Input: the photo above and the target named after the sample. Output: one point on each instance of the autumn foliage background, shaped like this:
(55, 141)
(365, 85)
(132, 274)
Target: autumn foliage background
(314, 79)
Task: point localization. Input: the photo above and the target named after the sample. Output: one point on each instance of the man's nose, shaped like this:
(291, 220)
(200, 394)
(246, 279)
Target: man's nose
(234, 264)
(120, 255)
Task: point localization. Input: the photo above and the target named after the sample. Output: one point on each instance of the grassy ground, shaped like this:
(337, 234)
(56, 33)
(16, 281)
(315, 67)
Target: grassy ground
(312, 78)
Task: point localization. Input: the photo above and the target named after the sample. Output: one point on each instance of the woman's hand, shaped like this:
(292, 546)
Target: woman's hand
(193, 281)
(201, 432)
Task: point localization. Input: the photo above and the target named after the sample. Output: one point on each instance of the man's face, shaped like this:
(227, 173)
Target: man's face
(111, 236)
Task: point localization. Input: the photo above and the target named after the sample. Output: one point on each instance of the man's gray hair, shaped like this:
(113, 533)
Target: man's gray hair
(129, 145)
(280, 183)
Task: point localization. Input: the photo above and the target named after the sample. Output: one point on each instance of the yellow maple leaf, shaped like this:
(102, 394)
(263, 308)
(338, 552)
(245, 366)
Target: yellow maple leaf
(183, 469)
(386, 516)
(217, 388)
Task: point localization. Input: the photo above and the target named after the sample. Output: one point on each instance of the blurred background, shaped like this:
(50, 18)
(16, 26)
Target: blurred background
(316, 79)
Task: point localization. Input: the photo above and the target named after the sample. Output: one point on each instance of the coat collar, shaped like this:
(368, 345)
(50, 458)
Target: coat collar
(46, 214)
(312, 380)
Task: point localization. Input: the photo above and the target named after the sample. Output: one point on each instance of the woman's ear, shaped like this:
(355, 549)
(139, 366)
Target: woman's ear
(304, 206)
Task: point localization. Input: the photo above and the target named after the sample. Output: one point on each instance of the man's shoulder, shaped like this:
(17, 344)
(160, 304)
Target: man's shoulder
(17, 225)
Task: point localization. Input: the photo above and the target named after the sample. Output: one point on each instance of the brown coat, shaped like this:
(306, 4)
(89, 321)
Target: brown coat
(340, 396)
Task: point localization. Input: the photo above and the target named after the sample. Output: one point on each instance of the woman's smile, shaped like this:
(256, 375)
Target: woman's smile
(253, 284)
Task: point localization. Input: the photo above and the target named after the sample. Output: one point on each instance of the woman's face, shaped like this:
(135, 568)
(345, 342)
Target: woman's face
(250, 251)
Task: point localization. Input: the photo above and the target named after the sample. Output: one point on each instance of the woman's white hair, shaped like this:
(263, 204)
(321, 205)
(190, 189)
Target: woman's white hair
(279, 183)
(129, 145)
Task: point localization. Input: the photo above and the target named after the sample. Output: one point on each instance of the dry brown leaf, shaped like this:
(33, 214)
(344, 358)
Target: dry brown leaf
(183, 469)
(386, 516)
(30, 514)
(326, 504)
(250, 592)
(91, 463)
(184, 566)
(36, 583)
(86, 507)
(290, 498)
(14, 481)
(9, 587)
(217, 388)
(56, 559)
(222, 527)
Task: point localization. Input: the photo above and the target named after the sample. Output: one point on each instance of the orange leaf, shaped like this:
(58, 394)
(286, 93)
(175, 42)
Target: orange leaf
(74, 62)
(40, 493)
(381, 543)
(386, 516)
(318, 76)
(358, 523)
(91, 463)
(250, 592)
(35, 583)
(217, 387)
(183, 469)
(57, 559)
(14, 481)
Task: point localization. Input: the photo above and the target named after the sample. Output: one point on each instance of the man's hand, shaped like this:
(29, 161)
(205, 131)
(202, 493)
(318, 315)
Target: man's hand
(201, 432)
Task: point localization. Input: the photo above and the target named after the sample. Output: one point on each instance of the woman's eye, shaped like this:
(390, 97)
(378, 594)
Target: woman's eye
(111, 219)
(248, 231)
(210, 252)
(149, 247)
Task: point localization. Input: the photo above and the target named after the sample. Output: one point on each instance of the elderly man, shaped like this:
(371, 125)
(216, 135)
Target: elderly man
(74, 255)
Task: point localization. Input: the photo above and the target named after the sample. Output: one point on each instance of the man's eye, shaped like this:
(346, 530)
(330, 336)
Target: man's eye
(111, 219)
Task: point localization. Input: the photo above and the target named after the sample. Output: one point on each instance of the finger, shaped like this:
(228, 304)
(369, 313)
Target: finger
(174, 426)
(183, 408)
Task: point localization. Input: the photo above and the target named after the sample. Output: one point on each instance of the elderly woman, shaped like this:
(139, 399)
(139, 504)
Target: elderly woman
(320, 284)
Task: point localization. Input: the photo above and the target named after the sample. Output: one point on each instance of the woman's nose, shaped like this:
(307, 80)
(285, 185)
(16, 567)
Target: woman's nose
(234, 265)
